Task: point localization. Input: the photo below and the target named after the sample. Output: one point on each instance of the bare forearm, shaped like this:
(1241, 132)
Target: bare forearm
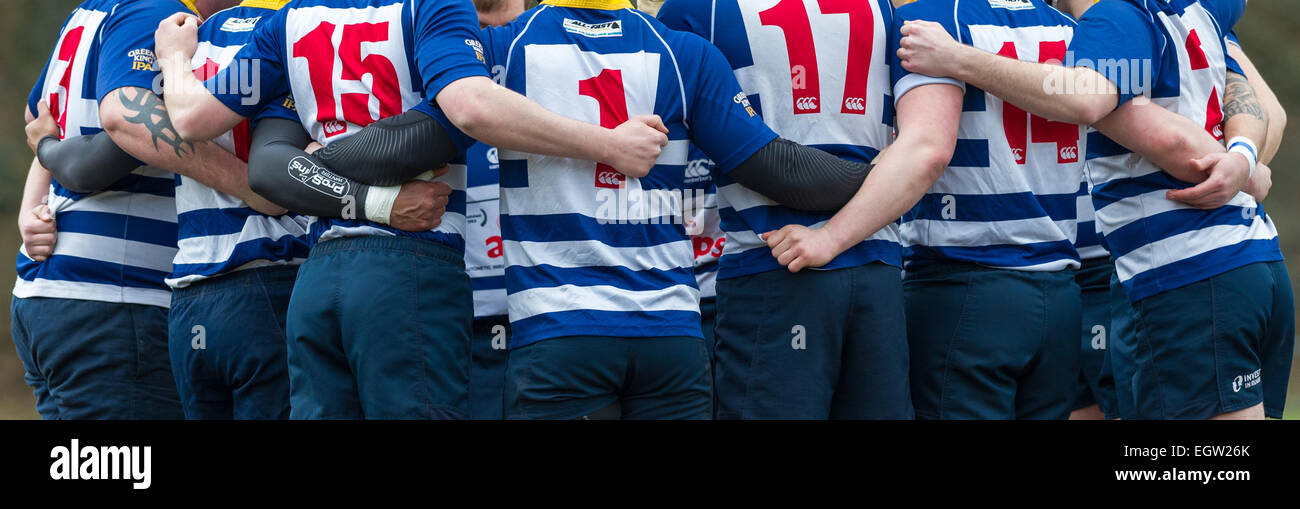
(1244, 114)
(516, 123)
(37, 186)
(1167, 139)
(1273, 109)
(891, 189)
(1039, 88)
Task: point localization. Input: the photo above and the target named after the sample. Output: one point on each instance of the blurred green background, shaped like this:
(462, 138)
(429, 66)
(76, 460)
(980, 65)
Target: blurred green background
(1270, 33)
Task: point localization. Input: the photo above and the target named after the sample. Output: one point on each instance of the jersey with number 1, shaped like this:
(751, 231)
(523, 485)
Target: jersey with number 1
(116, 245)
(590, 251)
(817, 71)
(1009, 197)
(349, 63)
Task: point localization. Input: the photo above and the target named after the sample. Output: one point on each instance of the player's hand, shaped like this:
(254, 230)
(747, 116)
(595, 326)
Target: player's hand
(43, 126)
(927, 48)
(419, 206)
(176, 39)
(38, 232)
(1228, 175)
(798, 247)
(1260, 183)
(638, 143)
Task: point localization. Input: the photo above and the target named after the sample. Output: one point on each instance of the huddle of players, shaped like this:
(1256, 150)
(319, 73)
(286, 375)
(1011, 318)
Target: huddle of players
(602, 312)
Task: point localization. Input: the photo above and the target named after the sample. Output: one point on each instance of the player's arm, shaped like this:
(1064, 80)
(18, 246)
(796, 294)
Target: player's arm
(391, 151)
(280, 168)
(928, 117)
(502, 118)
(84, 164)
(927, 48)
(35, 220)
(801, 177)
(195, 114)
(1273, 110)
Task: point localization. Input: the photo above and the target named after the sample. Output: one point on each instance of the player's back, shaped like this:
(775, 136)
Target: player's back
(218, 233)
(116, 245)
(817, 71)
(1009, 196)
(586, 245)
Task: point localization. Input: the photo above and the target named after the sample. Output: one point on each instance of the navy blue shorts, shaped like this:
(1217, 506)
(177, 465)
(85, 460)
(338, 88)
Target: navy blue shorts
(597, 377)
(708, 320)
(1216, 346)
(228, 344)
(490, 347)
(1096, 386)
(992, 344)
(1121, 349)
(379, 328)
(820, 344)
(95, 360)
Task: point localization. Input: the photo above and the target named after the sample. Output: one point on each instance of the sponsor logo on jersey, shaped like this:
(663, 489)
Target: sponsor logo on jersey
(1015, 5)
(141, 59)
(334, 128)
(855, 104)
(607, 29)
(806, 104)
(239, 24)
(699, 170)
(318, 178)
(478, 49)
(608, 178)
(743, 100)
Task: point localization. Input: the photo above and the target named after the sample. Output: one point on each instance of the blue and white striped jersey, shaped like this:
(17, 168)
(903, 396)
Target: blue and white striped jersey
(705, 227)
(349, 63)
(219, 233)
(1009, 197)
(817, 71)
(1088, 242)
(116, 245)
(484, 254)
(590, 251)
(1158, 244)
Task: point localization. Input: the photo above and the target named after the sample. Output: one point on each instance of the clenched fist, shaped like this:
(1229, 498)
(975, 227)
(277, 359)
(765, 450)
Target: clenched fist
(638, 143)
(419, 206)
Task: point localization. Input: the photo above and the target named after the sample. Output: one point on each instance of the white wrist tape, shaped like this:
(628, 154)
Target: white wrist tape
(1242, 145)
(379, 202)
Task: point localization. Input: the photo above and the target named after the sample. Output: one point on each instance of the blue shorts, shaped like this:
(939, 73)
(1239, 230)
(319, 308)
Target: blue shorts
(490, 347)
(95, 360)
(992, 344)
(1216, 346)
(708, 320)
(597, 377)
(228, 344)
(379, 328)
(1121, 349)
(1096, 386)
(819, 344)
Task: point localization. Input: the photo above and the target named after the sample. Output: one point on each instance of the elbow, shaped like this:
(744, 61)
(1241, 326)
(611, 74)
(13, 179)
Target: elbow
(74, 183)
(934, 161)
(189, 127)
(261, 181)
(1277, 122)
(469, 114)
(1090, 112)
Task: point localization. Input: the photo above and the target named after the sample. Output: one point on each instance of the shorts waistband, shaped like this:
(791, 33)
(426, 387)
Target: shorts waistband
(409, 245)
(255, 277)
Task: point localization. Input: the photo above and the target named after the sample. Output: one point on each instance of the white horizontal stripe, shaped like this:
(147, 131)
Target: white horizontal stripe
(490, 303)
(191, 196)
(76, 290)
(148, 206)
(183, 282)
(1128, 210)
(1051, 266)
(995, 180)
(914, 80)
(935, 233)
(538, 301)
(1083, 206)
(675, 153)
(111, 250)
(219, 248)
(593, 253)
(1186, 245)
(740, 198)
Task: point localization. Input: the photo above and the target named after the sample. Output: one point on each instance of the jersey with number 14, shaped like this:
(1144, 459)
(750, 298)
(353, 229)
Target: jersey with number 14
(817, 71)
(349, 63)
(1009, 198)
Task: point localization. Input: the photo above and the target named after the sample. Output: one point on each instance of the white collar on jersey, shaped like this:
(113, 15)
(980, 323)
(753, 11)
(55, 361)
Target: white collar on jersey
(607, 5)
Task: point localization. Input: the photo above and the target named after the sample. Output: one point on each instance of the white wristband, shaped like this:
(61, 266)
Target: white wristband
(1242, 145)
(379, 202)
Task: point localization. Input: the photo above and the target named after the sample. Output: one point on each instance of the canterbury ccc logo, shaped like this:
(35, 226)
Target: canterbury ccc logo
(806, 103)
(609, 179)
(855, 104)
(1069, 153)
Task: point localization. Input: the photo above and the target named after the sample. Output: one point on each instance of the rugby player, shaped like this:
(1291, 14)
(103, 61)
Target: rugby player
(818, 344)
(394, 341)
(1211, 301)
(106, 354)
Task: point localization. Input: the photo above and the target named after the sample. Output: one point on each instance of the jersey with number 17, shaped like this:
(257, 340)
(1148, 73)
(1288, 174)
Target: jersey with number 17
(349, 63)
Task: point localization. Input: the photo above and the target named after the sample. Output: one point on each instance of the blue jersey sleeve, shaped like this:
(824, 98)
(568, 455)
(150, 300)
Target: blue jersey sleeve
(722, 122)
(1225, 12)
(447, 47)
(38, 90)
(256, 77)
(496, 44)
(938, 11)
(283, 108)
(1233, 65)
(687, 16)
(126, 57)
(1115, 31)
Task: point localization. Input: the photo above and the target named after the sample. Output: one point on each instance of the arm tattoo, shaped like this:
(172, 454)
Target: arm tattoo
(149, 112)
(1239, 99)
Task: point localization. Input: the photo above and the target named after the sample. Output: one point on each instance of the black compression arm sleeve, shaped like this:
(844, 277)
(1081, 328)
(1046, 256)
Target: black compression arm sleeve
(801, 177)
(280, 171)
(85, 164)
(391, 151)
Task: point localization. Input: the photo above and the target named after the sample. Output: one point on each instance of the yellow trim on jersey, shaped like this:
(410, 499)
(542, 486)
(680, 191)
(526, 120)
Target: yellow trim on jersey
(189, 4)
(274, 5)
(607, 5)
